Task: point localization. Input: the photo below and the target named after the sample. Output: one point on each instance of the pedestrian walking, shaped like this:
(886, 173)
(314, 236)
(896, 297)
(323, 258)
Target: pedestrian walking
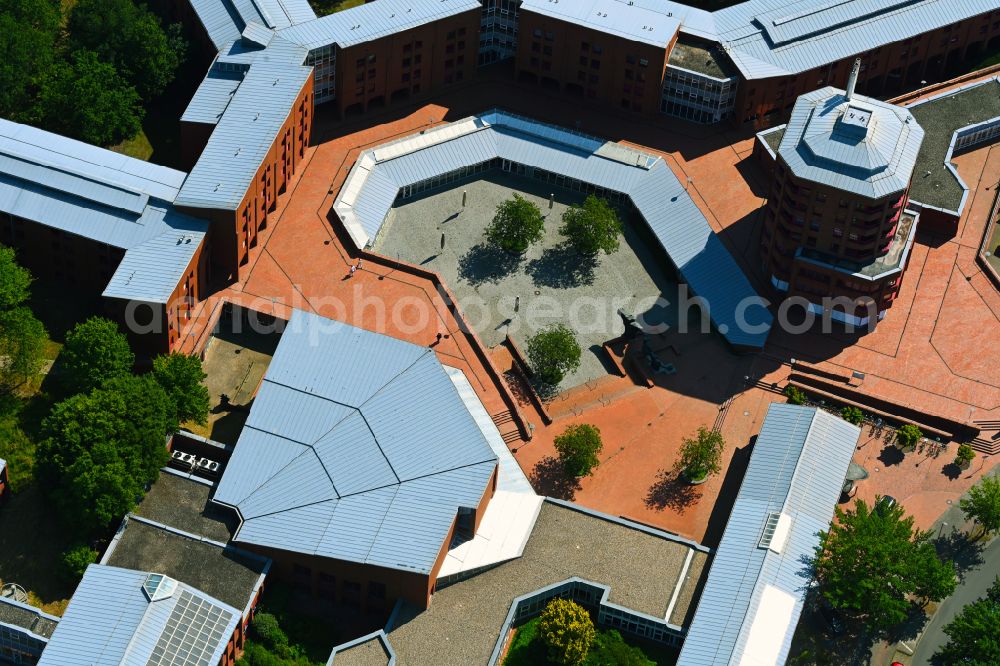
(353, 268)
(359, 263)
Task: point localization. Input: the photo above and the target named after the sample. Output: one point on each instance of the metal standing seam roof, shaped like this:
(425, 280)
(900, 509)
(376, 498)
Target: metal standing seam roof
(373, 20)
(797, 468)
(213, 96)
(858, 145)
(113, 621)
(613, 17)
(225, 20)
(675, 220)
(357, 447)
(245, 133)
(105, 197)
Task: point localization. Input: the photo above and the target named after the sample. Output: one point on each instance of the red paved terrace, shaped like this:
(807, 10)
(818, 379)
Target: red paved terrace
(923, 355)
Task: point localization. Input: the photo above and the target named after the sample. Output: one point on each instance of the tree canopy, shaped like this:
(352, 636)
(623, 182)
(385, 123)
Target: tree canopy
(908, 435)
(15, 280)
(983, 505)
(22, 336)
(87, 99)
(517, 224)
(567, 630)
(974, 634)
(101, 448)
(28, 33)
(871, 559)
(552, 353)
(181, 377)
(95, 351)
(593, 227)
(578, 447)
(701, 455)
(130, 38)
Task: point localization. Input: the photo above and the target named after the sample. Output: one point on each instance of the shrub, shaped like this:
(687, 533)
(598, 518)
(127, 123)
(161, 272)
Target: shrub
(852, 415)
(76, 560)
(701, 455)
(567, 630)
(794, 395)
(517, 224)
(270, 633)
(578, 447)
(964, 455)
(908, 436)
(552, 353)
(610, 648)
(592, 227)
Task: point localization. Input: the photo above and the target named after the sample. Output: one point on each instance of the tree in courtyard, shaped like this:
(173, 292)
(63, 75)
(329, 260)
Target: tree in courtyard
(75, 562)
(964, 456)
(86, 99)
(567, 630)
(22, 343)
(100, 450)
(872, 559)
(701, 455)
(983, 505)
(181, 377)
(593, 227)
(95, 351)
(974, 634)
(852, 415)
(28, 33)
(517, 224)
(578, 447)
(553, 353)
(128, 36)
(908, 435)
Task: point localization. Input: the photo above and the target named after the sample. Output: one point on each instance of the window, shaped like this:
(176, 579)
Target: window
(583, 61)
(595, 64)
(376, 590)
(630, 59)
(643, 62)
(584, 46)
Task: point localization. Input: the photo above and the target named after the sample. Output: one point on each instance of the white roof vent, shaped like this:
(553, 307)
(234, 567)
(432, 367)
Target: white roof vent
(775, 532)
(158, 586)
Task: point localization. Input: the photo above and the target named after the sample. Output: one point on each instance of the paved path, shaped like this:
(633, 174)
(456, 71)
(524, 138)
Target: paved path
(973, 587)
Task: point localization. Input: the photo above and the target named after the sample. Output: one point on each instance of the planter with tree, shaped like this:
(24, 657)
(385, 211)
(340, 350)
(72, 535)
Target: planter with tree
(907, 437)
(794, 395)
(578, 447)
(852, 415)
(592, 227)
(964, 456)
(701, 455)
(516, 225)
(553, 353)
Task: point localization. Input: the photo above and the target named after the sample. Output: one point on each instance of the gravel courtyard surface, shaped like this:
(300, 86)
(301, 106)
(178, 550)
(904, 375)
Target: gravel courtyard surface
(551, 280)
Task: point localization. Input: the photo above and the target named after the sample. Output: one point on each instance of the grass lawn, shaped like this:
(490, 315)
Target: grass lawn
(324, 7)
(138, 147)
(609, 649)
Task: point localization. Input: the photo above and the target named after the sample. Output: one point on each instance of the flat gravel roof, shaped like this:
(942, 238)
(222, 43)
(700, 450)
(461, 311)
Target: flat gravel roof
(464, 620)
(26, 618)
(182, 503)
(227, 574)
(941, 117)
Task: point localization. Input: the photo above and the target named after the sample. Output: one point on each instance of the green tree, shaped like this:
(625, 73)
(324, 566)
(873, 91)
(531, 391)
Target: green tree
(974, 634)
(129, 37)
(270, 633)
(593, 227)
(567, 631)
(908, 435)
(794, 395)
(85, 98)
(852, 415)
(517, 224)
(701, 455)
(95, 351)
(965, 455)
(553, 353)
(100, 450)
(28, 33)
(22, 343)
(610, 649)
(181, 377)
(75, 562)
(578, 447)
(983, 505)
(870, 561)
(15, 280)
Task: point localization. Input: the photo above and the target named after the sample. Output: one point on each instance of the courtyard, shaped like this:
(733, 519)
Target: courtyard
(503, 294)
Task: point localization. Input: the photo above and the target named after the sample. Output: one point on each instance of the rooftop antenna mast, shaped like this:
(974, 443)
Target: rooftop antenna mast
(852, 81)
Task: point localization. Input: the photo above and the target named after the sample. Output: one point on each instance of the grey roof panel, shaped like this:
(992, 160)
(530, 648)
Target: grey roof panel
(212, 97)
(372, 21)
(613, 17)
(150, 271)
(389, 451)
(797, 467)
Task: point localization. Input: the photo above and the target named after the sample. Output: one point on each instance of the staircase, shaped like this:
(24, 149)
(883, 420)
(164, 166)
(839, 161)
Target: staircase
(988, 441)
(504, 421)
